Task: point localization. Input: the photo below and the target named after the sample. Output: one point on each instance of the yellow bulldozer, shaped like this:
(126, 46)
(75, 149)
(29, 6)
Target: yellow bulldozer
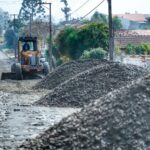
(28, 60)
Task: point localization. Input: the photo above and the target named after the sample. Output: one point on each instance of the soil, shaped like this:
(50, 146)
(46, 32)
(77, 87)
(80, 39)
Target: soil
(117, 121)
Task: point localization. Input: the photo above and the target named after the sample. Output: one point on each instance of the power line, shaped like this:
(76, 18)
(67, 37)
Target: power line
(93, 9)
(80, 7)
(46, 7)
(12, 2)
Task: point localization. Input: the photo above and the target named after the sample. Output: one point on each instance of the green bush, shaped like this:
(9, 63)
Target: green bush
(97, 53)
(117, 51)
(146, 48)
(130, 49)
(62, 60)
(71, 42)
(138, 50)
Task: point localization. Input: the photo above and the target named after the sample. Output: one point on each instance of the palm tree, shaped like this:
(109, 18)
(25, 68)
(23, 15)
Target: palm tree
(66, 10)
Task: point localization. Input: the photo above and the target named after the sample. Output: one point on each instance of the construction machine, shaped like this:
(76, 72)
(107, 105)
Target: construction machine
(28, 60)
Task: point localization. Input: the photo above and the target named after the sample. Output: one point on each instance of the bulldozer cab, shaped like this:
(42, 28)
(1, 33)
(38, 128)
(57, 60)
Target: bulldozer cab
(28, 52)
(28, 44)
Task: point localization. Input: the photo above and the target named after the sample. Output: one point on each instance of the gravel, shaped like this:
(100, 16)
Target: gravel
(66, 71)
(119, 120)
(91, 84)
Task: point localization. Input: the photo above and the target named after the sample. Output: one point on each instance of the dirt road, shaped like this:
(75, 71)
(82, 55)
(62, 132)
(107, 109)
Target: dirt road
(18, 118)
(4, 63)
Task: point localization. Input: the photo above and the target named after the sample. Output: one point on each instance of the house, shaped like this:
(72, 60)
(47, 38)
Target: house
(135, 37)
(134, 21)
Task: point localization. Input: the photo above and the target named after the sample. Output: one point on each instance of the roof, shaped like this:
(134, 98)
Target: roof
(132, 32)
(27, 38)
(134, 17)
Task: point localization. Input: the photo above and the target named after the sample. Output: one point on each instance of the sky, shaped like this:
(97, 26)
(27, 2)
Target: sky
(118, 7)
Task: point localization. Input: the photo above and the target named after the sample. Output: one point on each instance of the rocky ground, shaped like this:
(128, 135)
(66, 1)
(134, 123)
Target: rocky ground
(117, 121)
(91, 84)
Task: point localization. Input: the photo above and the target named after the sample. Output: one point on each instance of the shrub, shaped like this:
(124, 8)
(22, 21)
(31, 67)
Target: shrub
(62, 60)
(146, 48)
(130, 49)
(97, 53)
(141, 49)
(117, 51)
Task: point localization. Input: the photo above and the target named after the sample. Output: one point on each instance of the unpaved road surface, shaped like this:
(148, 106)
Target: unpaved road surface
(4, 63)
(20, 120)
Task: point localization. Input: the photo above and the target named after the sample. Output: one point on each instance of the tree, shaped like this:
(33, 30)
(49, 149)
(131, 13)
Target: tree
(148, 19)
(117, 23)
(31, 8)
(10, 38)
(17, 25)
(4, 17)
(71, 42)
(66, 10)
(99, 18)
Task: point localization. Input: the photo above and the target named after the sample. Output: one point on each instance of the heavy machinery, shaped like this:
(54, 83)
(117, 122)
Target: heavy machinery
(28, 60)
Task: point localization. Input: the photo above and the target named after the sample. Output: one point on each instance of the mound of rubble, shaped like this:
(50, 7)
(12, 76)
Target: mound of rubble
(65, 72)
(118, 121)
(91, 84)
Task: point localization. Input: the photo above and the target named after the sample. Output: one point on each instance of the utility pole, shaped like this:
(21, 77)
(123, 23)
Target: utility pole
(111, 35)
(32, 12)
(14, 41)
(14, 22)
(30, 26)
(31, 20)
(50, 36)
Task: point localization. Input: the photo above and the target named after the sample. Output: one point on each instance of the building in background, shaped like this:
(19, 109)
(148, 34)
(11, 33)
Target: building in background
(135, 37)
(134, 21)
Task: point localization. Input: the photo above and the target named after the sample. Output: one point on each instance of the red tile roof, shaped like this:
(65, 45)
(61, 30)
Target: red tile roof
(134, 17)
(132, 32)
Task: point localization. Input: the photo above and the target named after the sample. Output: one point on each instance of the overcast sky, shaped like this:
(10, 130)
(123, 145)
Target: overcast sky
(119, 6)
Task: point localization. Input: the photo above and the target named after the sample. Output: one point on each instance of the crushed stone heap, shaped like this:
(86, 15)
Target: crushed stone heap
(118, 121)
(66, 71)
(91, 84)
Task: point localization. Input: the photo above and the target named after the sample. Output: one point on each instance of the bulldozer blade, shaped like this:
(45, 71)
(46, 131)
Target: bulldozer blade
(9, 75)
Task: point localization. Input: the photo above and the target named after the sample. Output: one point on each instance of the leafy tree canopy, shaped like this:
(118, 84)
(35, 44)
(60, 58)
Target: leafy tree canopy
(99, 17)
(10, 38)
(4, 17)
(148, 19)
(66, 9)
(71, 42)
(31, 7)
(117, 23)
(18, 24)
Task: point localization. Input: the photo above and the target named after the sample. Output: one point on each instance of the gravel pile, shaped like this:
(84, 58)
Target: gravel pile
(65, 72)
(118, 121)
(91, 84)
